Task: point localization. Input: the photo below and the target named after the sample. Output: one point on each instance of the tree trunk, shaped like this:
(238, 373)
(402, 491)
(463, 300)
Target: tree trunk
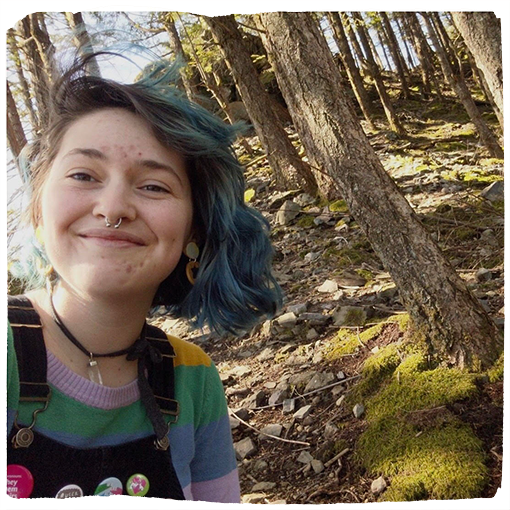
(25, 91)
(375, 73)
(351, 34)
(15, 134)
(395, 52)
(459, 86)
(405, 38)
(481, 32)
(82, 40)
(350, 67)
(448, 317)
(290, 170)
(44, 45)
(178, 51)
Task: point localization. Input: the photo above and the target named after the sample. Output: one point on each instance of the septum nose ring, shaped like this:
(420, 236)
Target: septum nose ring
(108, 224)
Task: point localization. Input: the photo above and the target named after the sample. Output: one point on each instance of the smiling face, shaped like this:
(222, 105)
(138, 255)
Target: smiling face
(110, 165)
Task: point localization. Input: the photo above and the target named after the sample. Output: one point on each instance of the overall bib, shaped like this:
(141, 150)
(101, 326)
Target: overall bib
(139, 468)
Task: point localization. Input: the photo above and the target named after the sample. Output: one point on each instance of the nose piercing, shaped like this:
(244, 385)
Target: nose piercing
(108, 224)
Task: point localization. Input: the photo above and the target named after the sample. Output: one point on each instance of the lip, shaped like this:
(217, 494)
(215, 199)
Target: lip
(113, 237)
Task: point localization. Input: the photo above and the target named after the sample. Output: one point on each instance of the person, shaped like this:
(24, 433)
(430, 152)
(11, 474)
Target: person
(137, 202)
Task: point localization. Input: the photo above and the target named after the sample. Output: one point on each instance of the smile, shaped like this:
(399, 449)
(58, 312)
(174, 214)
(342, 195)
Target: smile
(112, 238)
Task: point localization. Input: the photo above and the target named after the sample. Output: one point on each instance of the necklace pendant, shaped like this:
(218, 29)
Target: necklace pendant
(94, 373)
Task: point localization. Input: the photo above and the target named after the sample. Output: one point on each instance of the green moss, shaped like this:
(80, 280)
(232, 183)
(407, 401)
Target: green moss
(347, 341)
(496, 372)
(367, 275)
(355, 317)
(339, 206)
(306, 221)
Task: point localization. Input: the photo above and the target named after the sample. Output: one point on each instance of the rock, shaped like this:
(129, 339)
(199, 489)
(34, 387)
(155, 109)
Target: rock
(311, 256)
(260, 465)
(255, 400)
(263, 486)
(266, 355)
(330, 430)
(378, 486)
(245, 448)
(287, 212)
(273, 429)
(287, 320)
(270, 385)
(298, 308)
(340, 401)
(375, 349)
(288, 405)
(349, 316)
(305, 457)
(277, 397)
(265, 330)
(255, 497)
(242, 414)
(319, 380)
(340, 375)
(483, 275)
(315, 319)
(328, 286)
(495, 192)
(301, 378)
(239, 371)
(234, 423)
(311, 334)
(358, 410)
(317, 466)
(304, 199)
(302, 413)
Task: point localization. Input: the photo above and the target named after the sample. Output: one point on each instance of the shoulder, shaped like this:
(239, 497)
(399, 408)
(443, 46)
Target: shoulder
(188, 354)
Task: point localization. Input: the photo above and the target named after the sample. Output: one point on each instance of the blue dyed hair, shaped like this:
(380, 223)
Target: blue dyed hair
(234, 287)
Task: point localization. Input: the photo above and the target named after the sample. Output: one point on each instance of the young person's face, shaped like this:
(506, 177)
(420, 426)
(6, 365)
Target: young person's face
(110, 165)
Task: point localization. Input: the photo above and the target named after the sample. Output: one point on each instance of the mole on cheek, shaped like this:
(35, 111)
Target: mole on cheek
(129, 268)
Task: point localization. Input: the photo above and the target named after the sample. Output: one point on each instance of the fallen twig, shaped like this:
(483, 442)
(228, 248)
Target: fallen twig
(336, 457)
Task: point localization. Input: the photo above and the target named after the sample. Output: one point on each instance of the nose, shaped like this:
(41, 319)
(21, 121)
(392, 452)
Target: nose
(114, 202)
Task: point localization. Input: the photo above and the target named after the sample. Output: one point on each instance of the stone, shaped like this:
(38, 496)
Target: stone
(255, 497)
(287, 320)
(245, 448)
(330, 430)
(483, 275)
(270, 385)
(340, 401)
(495, 192)
(349, 316)
(273, 429)
(287, 212)
(317, 466)
(340, 375)
(265, 330)
(289, 405)
(298, 308)
(311, 334)
(328, 287)
(358, 410)
(378, 486)
(242, 414)
(234, 423)
(311, 256)
(260, 465)
(239, 371)
(315, 319)
(301, 378)
(305, 457)
(255, 400)
(277, 397)
(304, 199)
(263, 486)
(302, 412)
(266, 355)
(319, 380)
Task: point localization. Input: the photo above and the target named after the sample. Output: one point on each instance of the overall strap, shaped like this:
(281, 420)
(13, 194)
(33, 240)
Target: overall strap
(161, 375)
(30, 349)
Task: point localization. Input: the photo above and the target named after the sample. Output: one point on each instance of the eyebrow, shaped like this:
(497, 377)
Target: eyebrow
(150, 164)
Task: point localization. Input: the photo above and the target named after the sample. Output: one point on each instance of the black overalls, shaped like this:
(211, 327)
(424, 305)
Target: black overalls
(54, 465)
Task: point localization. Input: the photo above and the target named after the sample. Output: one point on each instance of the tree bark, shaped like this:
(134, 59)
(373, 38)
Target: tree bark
(290, 170)
(350, 67)
(458, 84)
(25, 90)
(15, 133)
(481, 32)
(178, 51)
(82, 40)
(395, 52)
(375, 73)
(446, 315)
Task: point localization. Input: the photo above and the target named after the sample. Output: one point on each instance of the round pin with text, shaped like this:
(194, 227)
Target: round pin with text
(70, 491)
(109, 487)
(137, 485)
(20, 482)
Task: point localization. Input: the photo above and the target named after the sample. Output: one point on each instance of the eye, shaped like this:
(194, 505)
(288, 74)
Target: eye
(155, 188)
(82, 176)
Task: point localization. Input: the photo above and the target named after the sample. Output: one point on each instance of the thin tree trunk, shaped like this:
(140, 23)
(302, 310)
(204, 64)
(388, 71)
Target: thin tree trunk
(458, 84)
(444, 313)
(350, 67)
(375, 73)
(15, 133)
(44, 45)
(405, 38)
(25, 91)
(351, 34)
(481, 32)
(82, 40)
(395, 52)
(178, 51)
(290, 170)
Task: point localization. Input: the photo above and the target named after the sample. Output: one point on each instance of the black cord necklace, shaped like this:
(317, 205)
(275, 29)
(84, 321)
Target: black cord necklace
(93, 368)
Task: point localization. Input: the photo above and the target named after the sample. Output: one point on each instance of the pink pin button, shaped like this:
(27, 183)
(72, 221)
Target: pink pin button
(20, 482)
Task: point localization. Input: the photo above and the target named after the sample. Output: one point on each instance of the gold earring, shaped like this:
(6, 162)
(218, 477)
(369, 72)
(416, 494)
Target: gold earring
(192, 252)
(39, 235)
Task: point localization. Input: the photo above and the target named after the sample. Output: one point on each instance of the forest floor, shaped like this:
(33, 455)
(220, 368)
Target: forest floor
(293, 382)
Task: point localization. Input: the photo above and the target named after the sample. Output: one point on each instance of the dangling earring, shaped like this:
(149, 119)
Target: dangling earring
(192, 252)
(49, 275)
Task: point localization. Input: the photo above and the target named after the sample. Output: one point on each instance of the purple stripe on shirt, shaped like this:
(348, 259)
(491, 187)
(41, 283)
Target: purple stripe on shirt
(221, 490)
